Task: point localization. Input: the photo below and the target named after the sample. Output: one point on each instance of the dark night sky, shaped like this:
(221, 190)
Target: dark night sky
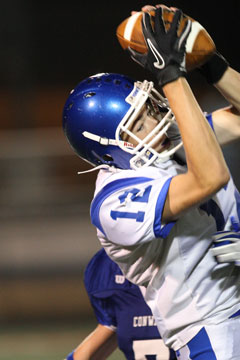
(62, 42)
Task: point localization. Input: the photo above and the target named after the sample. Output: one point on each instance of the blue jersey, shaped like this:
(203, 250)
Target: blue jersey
(119, 304)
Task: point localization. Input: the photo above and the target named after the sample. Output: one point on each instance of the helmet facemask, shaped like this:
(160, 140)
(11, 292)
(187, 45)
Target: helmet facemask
(103, 132)
(145, 95)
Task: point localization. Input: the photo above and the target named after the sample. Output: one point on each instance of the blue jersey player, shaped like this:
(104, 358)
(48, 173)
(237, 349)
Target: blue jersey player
(154, 215)
(124, 318)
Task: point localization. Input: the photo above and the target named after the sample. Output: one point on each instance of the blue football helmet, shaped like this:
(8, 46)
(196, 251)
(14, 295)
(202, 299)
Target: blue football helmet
(103, 107)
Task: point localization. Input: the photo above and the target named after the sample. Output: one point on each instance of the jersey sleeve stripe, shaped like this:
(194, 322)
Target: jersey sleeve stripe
(210, 120)
(158, 230)
(237, 197)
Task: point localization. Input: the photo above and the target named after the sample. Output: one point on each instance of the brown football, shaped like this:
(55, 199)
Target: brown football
(199, 46)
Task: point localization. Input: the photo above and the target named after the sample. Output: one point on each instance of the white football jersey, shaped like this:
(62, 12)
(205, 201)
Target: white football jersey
(181, 281)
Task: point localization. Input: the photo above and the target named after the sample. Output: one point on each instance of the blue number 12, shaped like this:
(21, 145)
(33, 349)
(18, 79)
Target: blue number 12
(138, 216)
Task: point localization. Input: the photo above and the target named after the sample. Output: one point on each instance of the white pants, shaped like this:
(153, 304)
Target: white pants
(214, 342)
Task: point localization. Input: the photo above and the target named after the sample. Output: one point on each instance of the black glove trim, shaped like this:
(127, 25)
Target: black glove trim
(171, 73)
(214, 68)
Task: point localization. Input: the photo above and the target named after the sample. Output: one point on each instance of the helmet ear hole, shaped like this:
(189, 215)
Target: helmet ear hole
(107, 158)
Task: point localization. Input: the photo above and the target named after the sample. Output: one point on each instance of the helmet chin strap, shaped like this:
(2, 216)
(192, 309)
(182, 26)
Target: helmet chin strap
(105, 141)
(99, 167)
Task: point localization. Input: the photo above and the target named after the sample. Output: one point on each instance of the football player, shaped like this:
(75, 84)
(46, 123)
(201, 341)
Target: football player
(154, 216)
(124, 319)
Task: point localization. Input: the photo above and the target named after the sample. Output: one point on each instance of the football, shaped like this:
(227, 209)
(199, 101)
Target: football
(199, 46)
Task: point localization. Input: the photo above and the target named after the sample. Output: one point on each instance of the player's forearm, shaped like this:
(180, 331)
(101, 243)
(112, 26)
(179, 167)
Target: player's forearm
(97, 346)
(204, 156)
(229, 86)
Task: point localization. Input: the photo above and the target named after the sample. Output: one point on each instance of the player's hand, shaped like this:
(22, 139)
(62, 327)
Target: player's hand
(166, 49)
(147, 8)
(227, 245)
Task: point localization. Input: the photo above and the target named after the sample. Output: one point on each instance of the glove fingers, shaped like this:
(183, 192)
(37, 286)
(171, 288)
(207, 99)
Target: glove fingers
(176, 21)
(159, 23)
(146, 25)
(227, 245)
(221, 250)
(184, 35)
(227, 258)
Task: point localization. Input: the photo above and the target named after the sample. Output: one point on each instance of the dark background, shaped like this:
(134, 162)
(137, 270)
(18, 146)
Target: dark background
(58, 42)
(46, 48)
(54, 44)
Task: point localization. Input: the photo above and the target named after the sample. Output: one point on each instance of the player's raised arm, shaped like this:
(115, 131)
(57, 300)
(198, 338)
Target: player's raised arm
(227, 81)
(98, 345)
(207, 171)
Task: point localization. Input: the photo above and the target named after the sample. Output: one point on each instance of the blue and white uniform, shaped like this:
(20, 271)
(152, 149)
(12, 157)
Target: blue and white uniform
(185, 287)
(119, 305)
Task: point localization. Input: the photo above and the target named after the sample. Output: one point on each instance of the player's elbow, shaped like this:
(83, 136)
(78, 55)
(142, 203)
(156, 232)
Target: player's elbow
(216, 181)
(222, 175)
(210, 180)
(221, 181)
(225, 177)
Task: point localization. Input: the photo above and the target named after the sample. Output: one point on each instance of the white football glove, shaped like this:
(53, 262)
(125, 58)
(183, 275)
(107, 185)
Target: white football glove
(226, 247)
